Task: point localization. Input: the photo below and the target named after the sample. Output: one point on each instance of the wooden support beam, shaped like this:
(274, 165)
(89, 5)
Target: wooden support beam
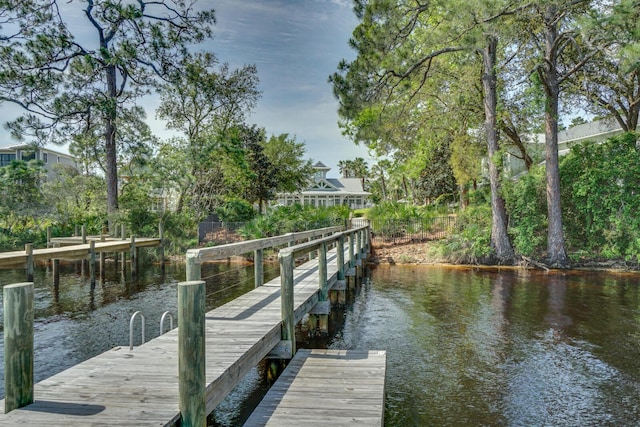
(92, 262)
(258, 267)
(352, 258)
(194, 269)
(191, 357)
(161, 236)
(286, 299)
(340, 257)
(18, 345)
(134, 256)
(28, 249)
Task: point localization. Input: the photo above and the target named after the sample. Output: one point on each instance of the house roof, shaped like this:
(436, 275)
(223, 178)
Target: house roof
(320, 165)
(589, 130)
(22, 145)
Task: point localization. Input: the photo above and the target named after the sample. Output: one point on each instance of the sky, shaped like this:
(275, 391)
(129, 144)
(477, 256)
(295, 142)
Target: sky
(296, 45)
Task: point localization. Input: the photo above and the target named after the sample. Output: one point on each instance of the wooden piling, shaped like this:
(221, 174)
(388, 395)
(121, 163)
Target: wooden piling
(352, 259)
(191, 357)
(340, 257)
(18, 345)
(161, 236)
(134, 256)
(102, 261)
(258, 267)
(28, 249)
(123, 236)
(92, 262)
(56, 272)
(286, 299)
(194, 269)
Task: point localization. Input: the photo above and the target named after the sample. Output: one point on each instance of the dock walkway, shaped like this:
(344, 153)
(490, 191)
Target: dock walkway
(140, 387)
(74, 251)
(326, 388)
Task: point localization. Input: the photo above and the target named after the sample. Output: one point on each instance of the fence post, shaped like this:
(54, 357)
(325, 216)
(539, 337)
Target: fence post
(194, 269)
(286, 299)
(28, 249)
(191, 357)
(18, 345)
(258, 267)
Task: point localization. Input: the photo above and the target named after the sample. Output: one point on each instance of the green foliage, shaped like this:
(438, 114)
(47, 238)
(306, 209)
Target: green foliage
(470, 242)
(286, 219)
(600, 200)
(235, 210)
(527, 207)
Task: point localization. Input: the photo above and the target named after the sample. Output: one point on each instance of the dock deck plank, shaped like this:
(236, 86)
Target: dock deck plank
(140, 387)
(326, 387)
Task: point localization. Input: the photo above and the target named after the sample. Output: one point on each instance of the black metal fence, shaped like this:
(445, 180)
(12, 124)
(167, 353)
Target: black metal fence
(392, 231)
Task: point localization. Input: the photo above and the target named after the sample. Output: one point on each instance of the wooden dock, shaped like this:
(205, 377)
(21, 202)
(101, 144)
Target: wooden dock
(140, 387)
(326, 388)
(73, 251)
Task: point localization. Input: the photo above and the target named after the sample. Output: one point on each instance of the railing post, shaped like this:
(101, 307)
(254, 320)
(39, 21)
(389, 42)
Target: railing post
(359, 244)
(286, 299)
(28, 249)
(322, 272)
(194, 269)
(352, 259)
(191, 353)
(18, 345)
(84, 234)
(258, 267)
(340, 257)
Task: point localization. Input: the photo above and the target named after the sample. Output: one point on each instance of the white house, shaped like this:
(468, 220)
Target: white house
(28, 152)
(597, 131)
(324, 191)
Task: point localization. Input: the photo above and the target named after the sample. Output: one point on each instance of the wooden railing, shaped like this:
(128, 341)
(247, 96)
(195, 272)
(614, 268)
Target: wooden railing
(195, 257)
(359, 243)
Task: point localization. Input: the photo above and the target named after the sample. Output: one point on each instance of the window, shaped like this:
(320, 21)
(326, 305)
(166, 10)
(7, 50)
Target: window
(45, 157)
(58, 159)
(5, 159)
(28, 155)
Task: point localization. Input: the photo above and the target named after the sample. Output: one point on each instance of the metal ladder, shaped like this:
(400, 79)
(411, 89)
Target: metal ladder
(142, 318)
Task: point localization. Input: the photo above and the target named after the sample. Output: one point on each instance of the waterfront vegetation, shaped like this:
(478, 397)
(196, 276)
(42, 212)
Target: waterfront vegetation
(440, 110)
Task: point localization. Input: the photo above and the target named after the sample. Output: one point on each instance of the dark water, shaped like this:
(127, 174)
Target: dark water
(465, 346)
(514, 348)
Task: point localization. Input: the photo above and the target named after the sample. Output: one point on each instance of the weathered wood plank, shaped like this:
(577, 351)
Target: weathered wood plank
(326, 387)
(8, 259)
(140, 387)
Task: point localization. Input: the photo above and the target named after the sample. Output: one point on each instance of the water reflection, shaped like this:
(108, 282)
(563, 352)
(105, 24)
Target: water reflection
(465, 346)
(484, 347)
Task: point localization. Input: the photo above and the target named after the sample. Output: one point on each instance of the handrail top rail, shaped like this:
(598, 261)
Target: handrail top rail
(315, 244)
(238, 248)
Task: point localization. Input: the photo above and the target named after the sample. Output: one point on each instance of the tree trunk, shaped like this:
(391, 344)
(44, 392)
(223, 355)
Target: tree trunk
(556, 254)
(110, 145)
(500, 243)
